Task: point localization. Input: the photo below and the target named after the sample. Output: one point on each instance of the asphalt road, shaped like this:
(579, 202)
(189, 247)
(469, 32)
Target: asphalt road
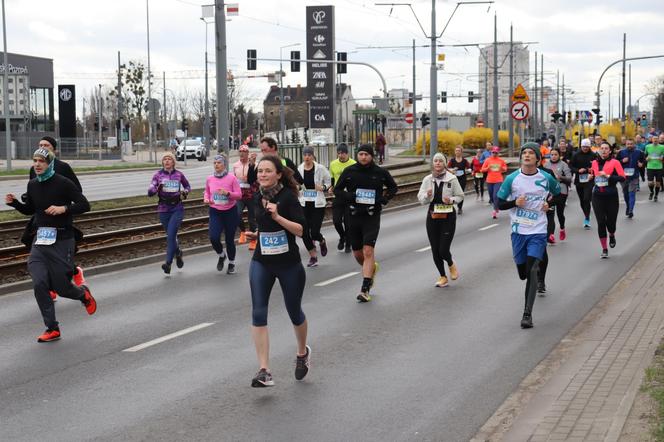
(417, 363)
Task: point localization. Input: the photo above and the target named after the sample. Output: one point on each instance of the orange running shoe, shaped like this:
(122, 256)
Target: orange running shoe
(243, 238)
(53, 294)
(49, 335)
(79, 278)
(88, 301)
(252, 244)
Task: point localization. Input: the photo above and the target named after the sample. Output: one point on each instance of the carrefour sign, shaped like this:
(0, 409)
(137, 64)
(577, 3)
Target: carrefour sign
(20, 70)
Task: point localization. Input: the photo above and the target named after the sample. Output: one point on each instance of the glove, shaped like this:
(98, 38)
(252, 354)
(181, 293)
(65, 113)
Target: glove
(353, 210)
(370, 210)
(184, 195)
(24, 197)
(383, 201)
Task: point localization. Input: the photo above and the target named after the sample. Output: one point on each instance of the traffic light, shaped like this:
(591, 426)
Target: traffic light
(295, 65)
(424, 119)
(556, 116)
(599, 117)
(185, 125)
(342, 68)
(471, 96)
(443, 97)
(410, 98)
(569, 116)
(251, 59)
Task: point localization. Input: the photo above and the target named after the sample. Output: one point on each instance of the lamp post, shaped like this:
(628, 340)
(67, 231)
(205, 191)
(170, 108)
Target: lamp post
(206, 124)
(282, 116)
(150, 104)
(8, 137)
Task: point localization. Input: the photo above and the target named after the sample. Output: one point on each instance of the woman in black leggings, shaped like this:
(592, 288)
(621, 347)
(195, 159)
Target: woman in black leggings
(459, 166)
(440, 190)
(607, 172)
(280, 219)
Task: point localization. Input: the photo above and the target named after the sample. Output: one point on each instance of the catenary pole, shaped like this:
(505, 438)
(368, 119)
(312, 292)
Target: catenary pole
(150, 106)
(5, 101)
(510, 124)
(433, 90)
(495, 80)
(221, 71)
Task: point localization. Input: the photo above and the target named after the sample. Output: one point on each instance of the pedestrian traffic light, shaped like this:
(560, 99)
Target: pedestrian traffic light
(556, 116)
(342, 68)
(410, 98)
(185, 124)
(471, 96)
(424, 119)
(295, 65)
(443, 96)
(251, 59)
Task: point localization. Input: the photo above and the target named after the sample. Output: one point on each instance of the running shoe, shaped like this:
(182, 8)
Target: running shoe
(243, 238)
(562, 235)
(541, 287)
(454, 272)
(612, 241)
(347, 249)
(49, 335)
(220, 263)
(605, 254)
(442, 282)
(655, 199)
(179, 262)
(262, 379)
(364, 297)
(313, 262)
(341, 244)
(252, 244)
(527, 321)
(166, 268)
(630, 215)
(53, 295)
(323, 248)
(650, 196)
(79, 278)
(586, 223)
(231, 269)
(302, 365)
(494, 214)
(460, 211)
(88, 300)
(551, 239)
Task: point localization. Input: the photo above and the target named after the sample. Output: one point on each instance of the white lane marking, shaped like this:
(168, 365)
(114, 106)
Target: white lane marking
(423, 249)
(490, 226)
(338, 278)
(168, 337)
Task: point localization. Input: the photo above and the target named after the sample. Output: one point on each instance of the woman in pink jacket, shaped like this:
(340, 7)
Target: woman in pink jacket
(222, 190)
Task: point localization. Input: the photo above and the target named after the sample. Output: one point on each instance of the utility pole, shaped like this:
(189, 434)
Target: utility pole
(509, 118)
(100, 116)
(486, 93)
(221, 70)
(5, 101)
(433, 90)
(121, 128)
(535, 105)
(415, 109)
(206, 125)
(147, 10)
(622, 106)
(164, 113)
(629, 108)
(495, 80)
(563, 103)
(542, 93)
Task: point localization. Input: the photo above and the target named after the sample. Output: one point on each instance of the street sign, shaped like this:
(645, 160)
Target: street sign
(585, 117)
(520, 94)
(409, 118)
(520, 110)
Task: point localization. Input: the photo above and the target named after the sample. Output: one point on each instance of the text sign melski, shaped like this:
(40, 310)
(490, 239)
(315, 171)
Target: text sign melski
(320, 75)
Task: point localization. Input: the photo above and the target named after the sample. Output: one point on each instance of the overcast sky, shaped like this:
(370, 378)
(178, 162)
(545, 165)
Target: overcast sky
(578, 38)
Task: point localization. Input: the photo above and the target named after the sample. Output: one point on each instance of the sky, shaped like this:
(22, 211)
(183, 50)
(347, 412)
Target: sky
(578, 39)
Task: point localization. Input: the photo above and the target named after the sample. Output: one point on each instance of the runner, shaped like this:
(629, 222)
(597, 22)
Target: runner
(494, 167)
(280, 219)
(563, 174)
(655, 155)
(545, 151)
(440, 190)
(171, 186)
(565, 151)
(222, 191)
(580, 167)
(608, 172)
(632, 160)
(312, 198)
(381, 142)
(361, 186)
(478, 175)
(269, 147)
(340, 208)
(241, 170)
(525, 193)
(53, 200)
(459, 166)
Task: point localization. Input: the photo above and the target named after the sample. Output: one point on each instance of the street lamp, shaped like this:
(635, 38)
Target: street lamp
(206, 125)
(282, 116)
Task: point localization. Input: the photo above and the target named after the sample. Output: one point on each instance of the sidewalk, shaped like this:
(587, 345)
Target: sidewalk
(592, 377)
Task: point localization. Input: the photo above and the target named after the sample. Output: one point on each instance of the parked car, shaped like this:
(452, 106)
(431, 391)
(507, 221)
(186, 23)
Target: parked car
(194, 149)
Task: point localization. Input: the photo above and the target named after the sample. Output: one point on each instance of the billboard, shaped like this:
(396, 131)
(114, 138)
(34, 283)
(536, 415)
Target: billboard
(320, 75)
(67, 110)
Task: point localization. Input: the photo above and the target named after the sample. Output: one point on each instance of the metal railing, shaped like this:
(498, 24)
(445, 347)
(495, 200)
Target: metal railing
(324, 154)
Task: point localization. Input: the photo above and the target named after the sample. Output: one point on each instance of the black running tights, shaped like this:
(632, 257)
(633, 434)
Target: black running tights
(606, 212)
(441, 234)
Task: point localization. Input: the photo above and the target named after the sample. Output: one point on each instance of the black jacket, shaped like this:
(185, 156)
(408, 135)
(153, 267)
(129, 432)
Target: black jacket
(370, 177)
(581, 160)
(63, 169)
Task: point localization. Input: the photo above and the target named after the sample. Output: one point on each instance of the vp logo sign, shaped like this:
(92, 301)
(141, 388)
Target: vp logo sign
(318, 16)
(65, 94)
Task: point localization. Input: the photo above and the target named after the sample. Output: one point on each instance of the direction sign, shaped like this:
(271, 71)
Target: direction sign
(409, 118)
(520, 94)
(520, 110)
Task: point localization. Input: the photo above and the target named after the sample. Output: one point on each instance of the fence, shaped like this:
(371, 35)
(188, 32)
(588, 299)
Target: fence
(25, 143)
(324, 154)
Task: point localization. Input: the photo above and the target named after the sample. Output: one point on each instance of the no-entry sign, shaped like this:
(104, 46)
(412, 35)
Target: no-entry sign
(409, 118)
(520, 110)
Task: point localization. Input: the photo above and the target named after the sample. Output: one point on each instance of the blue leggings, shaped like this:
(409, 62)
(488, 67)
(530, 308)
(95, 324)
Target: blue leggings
(261, 280)
(223, 221)
(171, 222)
(493, 189)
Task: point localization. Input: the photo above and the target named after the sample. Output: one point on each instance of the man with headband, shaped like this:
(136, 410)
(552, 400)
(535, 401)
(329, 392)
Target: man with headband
(53, 199)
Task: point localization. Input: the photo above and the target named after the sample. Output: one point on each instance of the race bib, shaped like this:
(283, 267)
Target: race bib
(654, 156)
(46, 236)
(171, 186)
(365, 196)
(219, 198)
(629, 171)
(479, 175)
(460, 172)
(601, 181)
(526, 217)
(495, 167)
(273, 243)
(244, 185)
(583, 178)
(443, 208)
(309, 196)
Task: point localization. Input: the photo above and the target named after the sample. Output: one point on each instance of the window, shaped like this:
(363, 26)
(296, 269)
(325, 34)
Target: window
(11, 80)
